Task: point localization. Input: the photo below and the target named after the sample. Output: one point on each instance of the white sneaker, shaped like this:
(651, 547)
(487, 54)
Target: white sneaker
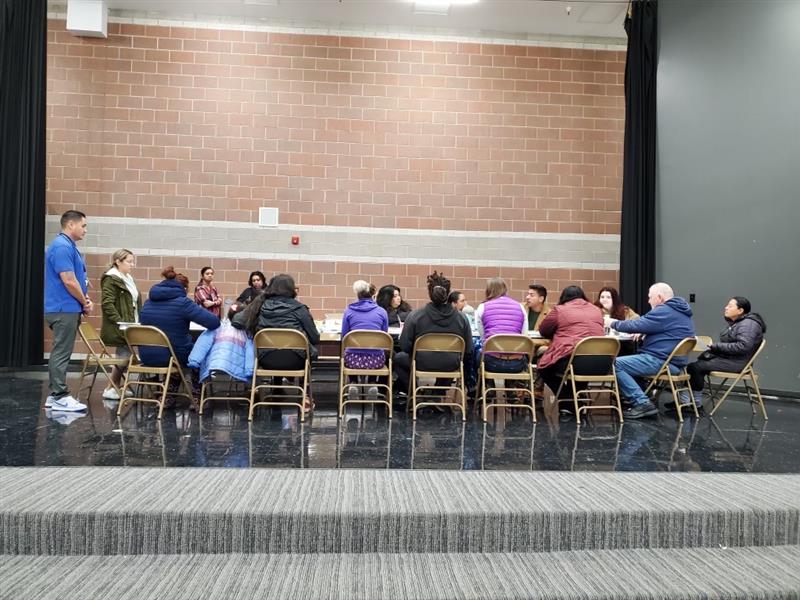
(352, 392)
(372, 393)
(110, 394)
(49, 402)
(67, 404)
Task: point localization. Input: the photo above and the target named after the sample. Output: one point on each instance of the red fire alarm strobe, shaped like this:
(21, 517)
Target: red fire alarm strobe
(295, 240)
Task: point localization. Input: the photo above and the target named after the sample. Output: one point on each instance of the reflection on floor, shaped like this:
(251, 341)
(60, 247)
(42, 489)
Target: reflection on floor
(734, 440)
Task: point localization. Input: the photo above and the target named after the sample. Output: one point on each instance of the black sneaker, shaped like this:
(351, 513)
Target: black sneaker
(640, 411)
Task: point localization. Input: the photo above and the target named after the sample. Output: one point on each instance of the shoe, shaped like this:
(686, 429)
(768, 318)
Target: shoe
(352, 392)
(49, 402)
(63, 418)
(686, 402)
(372, 392)
(67, 404)
(110, 394)
(640, 411)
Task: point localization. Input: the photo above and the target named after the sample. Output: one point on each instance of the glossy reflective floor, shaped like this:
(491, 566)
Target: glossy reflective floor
(734, 440)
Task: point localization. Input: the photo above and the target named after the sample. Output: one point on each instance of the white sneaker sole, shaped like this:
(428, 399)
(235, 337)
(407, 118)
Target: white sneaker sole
(56, 408)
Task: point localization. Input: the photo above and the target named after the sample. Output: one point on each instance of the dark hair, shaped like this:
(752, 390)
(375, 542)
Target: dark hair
(169, 273)
(202, 273)
(71, 215)
(539, 289)
(385, 295)
(260, 274)
(742, 303)
(438, 288)
(453, 297)
(571, 292)
(495, 287)
(251, 312)
(618, 309)
(281, 286)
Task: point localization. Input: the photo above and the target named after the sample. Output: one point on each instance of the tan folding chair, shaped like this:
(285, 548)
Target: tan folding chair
(366, 340)
(745, 375)
(509, 344)
(438, 342)
(98, 357)
(592, 362)
(281, 339)
(678, 382)
(146, 335)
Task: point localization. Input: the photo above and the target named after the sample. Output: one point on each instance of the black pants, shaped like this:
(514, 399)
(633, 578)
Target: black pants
(553, 374)
(401, 363)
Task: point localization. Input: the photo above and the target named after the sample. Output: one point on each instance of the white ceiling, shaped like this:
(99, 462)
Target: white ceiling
(486, 18)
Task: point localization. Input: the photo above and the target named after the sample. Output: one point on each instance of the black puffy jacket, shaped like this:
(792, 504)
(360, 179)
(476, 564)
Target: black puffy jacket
(280, 312)
(741, 339)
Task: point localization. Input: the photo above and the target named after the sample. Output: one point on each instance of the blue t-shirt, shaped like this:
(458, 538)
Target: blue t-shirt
(62, 256)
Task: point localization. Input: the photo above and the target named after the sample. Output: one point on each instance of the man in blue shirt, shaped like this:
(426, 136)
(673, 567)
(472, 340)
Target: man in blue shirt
(669, 321)
(65, 299)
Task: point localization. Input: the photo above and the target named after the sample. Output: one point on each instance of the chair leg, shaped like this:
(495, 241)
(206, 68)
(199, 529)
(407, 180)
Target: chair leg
(342, 379)
(675, 399)
(726, 394)
(574, 398)
(463, 397)
(203, 396)
(483, 394)
(164, 386)
(758, 395)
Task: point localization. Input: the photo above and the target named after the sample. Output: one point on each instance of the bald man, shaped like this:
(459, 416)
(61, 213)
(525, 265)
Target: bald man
(663, 327)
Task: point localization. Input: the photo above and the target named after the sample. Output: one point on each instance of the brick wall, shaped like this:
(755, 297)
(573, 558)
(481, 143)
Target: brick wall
(207, 125)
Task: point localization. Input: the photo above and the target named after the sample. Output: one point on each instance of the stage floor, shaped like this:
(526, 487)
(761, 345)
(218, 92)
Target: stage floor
(733, 441)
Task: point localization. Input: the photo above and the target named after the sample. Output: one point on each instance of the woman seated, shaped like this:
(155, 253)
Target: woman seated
(438, 316)
(278, 308)
(255, 285)
(609, 302)
(735, 348)
(499, 314)
(170, 309)
(573, 319)
(391, 300)
(364, 314)
(225, 349)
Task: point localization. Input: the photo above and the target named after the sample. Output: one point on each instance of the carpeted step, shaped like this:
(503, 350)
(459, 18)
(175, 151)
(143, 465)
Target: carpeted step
(707, 573)
(76, 511)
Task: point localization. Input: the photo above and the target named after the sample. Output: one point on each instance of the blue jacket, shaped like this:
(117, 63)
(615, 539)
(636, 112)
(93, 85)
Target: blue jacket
(364, 314)
(664, 326)
(170, 309)
(226, 349)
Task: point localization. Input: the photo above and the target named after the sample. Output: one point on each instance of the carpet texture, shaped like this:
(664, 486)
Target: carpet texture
(707, 573)
(108, 511)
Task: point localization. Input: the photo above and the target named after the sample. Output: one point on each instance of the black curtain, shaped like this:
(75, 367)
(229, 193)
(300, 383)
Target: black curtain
(23, 81)
(638, 236)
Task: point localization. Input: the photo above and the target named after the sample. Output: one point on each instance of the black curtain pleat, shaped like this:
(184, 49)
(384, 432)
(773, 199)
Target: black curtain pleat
(23, 85)
(638, 244)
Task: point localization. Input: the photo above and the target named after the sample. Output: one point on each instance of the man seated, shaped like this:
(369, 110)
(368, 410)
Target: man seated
(536, 309)
(669, 321)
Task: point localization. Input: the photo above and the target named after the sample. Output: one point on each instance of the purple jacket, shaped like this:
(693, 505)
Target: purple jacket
(502, 315)
(364, 314)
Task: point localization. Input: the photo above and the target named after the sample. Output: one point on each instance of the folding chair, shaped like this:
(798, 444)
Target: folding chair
(366, 340)
(438, 342)
(99, 357)
(281, 339)
(592, 361)
(207, 389)
(678, 382)
(509, 344)
(744, 375)
(146, 335)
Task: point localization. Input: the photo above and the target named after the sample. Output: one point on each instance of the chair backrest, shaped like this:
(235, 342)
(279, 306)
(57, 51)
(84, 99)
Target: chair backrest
(439, 342)
(366, 339)
(280, 339)
(510, 343)
(147, 335)
(90, 336)
(755, 356)
(594, 355)
(684, 348)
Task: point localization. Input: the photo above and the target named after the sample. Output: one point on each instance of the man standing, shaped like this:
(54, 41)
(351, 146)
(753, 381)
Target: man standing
(65, 299)
(669, 321)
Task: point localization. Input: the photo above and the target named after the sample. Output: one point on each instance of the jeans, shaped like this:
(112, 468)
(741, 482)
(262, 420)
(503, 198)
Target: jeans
(65, 329)
(637, 365)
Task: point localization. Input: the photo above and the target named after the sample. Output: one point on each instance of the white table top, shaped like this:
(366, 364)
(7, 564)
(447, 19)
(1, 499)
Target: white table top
(192, 326)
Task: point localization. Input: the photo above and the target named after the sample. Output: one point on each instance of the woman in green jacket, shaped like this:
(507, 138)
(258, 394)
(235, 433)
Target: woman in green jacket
(121, 303)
